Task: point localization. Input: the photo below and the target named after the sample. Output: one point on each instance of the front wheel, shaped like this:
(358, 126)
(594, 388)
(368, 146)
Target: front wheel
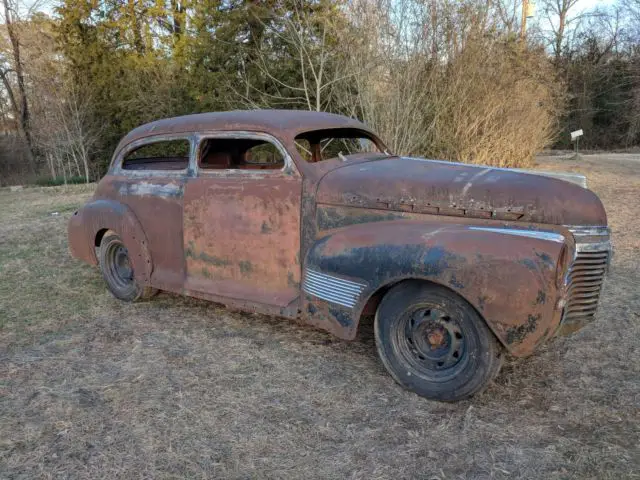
(434, 343)
(117, 270)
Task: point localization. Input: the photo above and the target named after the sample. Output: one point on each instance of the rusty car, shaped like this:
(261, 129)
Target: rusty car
(309, 216)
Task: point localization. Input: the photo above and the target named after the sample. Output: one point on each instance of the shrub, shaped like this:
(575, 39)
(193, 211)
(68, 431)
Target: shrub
(473, 95)
(52, 182)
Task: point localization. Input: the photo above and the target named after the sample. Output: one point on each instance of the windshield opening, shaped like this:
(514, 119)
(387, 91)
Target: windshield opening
(319, 145)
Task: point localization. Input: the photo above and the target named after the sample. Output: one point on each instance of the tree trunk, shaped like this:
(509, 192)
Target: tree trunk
(85, 161)
(135, 24)
(22, 112)
(52, 167)
(177, 10)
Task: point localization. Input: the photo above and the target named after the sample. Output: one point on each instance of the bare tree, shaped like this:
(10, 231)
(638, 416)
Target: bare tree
(18, 102)
(559, 18)
(69, 136)
(631, 11)
(459, 92)
(62, 124)
(306, 37)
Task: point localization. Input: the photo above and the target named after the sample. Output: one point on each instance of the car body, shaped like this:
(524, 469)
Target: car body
(249, 213)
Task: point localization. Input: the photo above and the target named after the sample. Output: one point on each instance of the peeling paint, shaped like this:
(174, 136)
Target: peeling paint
(246, 267)
(546, 259)
(143, 188)
(204, 257)
(455, 283)
(265, 228)
(519, 333)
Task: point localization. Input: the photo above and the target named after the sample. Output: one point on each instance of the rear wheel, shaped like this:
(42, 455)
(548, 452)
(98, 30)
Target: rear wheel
(434, 343)
(117, 270)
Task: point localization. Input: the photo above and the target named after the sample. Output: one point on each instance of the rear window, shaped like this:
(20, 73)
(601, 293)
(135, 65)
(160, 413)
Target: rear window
(319, 145)
(163, 155)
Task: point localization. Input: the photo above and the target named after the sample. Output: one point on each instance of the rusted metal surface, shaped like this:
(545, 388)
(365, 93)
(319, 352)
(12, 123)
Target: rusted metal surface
(322, 242)
(242, 236)
(424, 186)
(509, 279)
(101, 215)
(576, 178)
(157, 203)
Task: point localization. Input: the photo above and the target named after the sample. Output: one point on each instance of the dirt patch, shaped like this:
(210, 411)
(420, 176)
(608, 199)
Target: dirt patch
(91, 387)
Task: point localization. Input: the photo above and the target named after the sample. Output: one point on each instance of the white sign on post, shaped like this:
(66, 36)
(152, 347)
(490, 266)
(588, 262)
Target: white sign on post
(576, 134)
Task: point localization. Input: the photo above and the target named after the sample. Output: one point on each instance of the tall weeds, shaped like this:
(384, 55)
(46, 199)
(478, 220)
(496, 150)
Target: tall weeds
(460, 92)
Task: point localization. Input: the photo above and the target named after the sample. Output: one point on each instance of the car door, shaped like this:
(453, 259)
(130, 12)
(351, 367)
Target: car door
(149, 178)
(242, 220)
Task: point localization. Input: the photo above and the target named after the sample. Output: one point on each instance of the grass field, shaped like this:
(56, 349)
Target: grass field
(91, 387)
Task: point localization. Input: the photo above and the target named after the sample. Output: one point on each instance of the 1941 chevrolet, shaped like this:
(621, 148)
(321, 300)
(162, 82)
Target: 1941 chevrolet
(307, 215)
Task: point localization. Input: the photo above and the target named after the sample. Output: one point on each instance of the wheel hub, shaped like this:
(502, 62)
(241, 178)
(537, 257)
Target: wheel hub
(436, 337)
(122, 264)
(118, 266)
(433, 339)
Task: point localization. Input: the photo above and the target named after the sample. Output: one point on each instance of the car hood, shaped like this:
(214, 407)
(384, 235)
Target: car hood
(445, 188)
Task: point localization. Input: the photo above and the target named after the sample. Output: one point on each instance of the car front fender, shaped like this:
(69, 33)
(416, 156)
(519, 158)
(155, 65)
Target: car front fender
(511, 277)
(101, 214)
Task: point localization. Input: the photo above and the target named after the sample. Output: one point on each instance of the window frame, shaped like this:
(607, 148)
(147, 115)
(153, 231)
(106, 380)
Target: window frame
(289, 168)
(119, 159)
(363, 134)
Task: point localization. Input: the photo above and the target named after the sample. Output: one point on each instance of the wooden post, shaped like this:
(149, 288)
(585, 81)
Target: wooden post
(523, 24)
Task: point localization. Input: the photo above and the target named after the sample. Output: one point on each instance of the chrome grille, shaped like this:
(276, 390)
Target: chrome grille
(586, 275)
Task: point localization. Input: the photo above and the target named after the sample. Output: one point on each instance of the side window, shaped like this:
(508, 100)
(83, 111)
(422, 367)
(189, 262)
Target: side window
(239, 154)
(319, 145)
(163, 155)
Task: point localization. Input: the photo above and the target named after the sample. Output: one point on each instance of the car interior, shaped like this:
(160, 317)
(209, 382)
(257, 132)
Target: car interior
(214, 154)
(239, 154)
(318, 145)
(249, 153)
(170, 155)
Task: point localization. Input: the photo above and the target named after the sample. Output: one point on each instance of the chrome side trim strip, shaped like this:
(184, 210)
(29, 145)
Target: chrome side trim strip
(332, 289)
(551, 236)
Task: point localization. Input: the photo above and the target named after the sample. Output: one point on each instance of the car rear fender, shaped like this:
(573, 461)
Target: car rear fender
(99, 215)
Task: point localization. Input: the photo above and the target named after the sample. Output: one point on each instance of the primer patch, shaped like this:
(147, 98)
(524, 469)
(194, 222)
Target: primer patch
(141, 189)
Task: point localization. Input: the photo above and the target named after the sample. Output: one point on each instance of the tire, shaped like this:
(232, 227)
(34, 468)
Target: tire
(434, 343)
(117, 270)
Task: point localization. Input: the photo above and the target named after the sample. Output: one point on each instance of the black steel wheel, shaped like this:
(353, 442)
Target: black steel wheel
(434, 343)
(117, 270)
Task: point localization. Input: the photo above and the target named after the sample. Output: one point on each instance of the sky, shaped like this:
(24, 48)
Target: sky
(48, 6)
(586, 4)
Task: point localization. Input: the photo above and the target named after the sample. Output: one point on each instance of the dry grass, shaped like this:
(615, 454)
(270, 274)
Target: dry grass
(91, 387)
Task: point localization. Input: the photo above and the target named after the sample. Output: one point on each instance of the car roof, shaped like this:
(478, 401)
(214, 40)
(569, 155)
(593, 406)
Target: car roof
(280, 123)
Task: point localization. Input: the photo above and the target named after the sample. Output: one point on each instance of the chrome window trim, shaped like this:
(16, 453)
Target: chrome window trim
(117, 162)
(289, 167)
